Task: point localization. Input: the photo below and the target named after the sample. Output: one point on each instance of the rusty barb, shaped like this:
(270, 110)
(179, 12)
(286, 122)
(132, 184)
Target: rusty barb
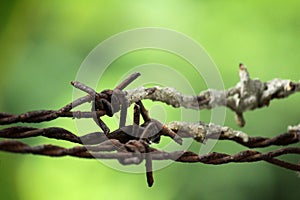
(129, 144)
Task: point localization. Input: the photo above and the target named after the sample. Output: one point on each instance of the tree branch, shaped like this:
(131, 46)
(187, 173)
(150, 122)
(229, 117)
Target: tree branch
(248, 94)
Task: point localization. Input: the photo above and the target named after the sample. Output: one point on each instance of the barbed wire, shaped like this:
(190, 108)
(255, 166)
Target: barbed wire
(123, 136)
(132, 144)
(248, 94)
(133, 152)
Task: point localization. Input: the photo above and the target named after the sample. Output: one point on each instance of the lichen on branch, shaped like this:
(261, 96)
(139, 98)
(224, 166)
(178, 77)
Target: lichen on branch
(201, 131)
(248, 94)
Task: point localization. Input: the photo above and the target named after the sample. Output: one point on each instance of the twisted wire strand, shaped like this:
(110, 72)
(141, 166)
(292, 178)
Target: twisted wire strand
(120, 139)
(122, 135)
(179, 156)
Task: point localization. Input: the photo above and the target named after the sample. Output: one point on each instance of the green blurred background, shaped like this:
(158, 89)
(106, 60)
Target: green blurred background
(43, 44)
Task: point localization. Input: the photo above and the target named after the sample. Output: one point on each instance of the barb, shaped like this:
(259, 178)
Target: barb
(101, 106)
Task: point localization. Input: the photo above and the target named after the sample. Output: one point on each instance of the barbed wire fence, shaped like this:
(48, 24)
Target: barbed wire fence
(131, 144)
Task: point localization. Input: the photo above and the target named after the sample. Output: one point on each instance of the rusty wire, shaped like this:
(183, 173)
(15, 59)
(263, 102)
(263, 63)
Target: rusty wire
(18, 132)
(130, 148)
(134, 155)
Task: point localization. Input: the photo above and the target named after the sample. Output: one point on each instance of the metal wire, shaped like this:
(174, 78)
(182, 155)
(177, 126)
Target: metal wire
(19, 132)
(135, 147)
(179, 156)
